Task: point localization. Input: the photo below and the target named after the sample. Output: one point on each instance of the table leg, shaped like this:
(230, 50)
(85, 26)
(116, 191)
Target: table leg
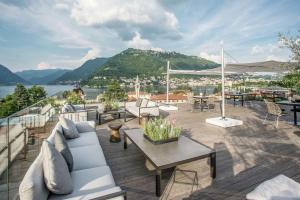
(158, 183)
(213, 165)
(99, 118)
(125, 141)
(242, 100)
(295, 116)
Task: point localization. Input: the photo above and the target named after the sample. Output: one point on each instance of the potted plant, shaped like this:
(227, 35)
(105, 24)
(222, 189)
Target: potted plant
(159, 131)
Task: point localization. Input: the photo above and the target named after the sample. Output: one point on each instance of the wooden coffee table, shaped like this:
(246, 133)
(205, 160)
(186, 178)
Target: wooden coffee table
(171, 154)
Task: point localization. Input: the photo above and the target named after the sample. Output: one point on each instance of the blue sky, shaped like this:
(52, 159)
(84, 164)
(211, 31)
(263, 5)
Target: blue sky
(40, 34)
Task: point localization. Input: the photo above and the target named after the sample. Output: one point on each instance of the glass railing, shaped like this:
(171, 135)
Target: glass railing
(21, 136)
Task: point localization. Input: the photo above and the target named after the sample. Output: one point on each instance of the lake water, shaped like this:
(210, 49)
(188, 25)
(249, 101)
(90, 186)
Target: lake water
(91, 93)
(50, 89)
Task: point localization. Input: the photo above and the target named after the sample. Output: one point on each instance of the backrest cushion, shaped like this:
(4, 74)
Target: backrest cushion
(69, 128)
(33, 186)
(58, 127)
(56, 173)
(62, 147)
(144, 103)
(138, 102)
(151, 104)
(73, 108)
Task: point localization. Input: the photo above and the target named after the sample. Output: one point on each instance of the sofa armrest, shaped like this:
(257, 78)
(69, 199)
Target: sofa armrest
(121, 193)
(86, 126)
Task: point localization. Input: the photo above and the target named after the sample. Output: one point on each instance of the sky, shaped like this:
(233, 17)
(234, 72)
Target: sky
(41, 34)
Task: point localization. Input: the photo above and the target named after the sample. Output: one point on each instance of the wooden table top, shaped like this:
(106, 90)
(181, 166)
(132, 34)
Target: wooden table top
(170, 154)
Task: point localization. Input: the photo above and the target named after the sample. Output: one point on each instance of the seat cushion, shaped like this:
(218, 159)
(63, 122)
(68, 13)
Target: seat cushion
(133, 110)
(56, 173)
(90, 183)
(85, 139)
(279, 187)
(33, 186)
(85, 157)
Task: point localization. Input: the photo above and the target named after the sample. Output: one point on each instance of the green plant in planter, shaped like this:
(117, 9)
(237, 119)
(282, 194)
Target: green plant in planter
(159, 129)
(111, 105)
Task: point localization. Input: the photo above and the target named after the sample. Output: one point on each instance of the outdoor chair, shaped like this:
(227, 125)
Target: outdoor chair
(191, 101)
(274, 110)
(248, 98)
(74, 112)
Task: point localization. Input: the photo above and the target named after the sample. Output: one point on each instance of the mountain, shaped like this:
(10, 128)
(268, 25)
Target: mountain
(41, 76)
(132, 62)
(260, 67)
(9, 78)
(82, 72)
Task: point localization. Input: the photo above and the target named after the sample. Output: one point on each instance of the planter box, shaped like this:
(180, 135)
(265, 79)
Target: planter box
(161, 141)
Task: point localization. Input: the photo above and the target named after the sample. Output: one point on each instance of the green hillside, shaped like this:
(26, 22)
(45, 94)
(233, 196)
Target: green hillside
(82, 72)
(9, 78)
(132, 62)
(41, 76)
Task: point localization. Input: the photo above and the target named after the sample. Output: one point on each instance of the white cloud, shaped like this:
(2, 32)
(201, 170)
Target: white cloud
(257, 49)
(147, 17)
(276, 58)
(43, 65)
(91, 54)
(138, 42)
(213, 57)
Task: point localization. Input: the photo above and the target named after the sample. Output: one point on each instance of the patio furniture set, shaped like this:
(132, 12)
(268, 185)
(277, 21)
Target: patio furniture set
(90, 177)
(139, 108)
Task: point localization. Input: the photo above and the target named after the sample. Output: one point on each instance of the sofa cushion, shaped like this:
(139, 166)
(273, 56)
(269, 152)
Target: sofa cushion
(87, 138)
(279, 187)
(133, 110)
(138, 102)
(58, 127)
(86, 126)
(144, 103)
(33, 186)
(93, 182)
(69, 128)
(88, 157)
(62, 147)
(56, 173)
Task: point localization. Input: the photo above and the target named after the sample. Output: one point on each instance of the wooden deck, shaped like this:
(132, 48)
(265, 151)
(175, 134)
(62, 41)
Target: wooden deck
(246, 156)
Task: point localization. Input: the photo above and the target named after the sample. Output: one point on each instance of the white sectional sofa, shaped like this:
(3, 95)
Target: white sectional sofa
(150, 107)
(91, 176)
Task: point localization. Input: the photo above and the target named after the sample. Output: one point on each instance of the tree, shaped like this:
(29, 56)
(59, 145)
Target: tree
(74, 98)
(36, 93)
(7, 106)
(293, 43)
(114, 92)
(21, 96)
(292, 80)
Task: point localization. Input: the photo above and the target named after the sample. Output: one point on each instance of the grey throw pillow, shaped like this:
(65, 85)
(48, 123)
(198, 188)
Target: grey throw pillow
(69, 128)
(138, 102)
(62, 147)
(56, 173)
(33, 186)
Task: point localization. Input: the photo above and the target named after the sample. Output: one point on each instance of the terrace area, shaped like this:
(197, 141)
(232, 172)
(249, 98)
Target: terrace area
(246, 155)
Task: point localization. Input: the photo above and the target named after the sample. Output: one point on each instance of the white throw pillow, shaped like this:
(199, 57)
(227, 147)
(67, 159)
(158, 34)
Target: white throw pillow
(69, 128)
(56, 173)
